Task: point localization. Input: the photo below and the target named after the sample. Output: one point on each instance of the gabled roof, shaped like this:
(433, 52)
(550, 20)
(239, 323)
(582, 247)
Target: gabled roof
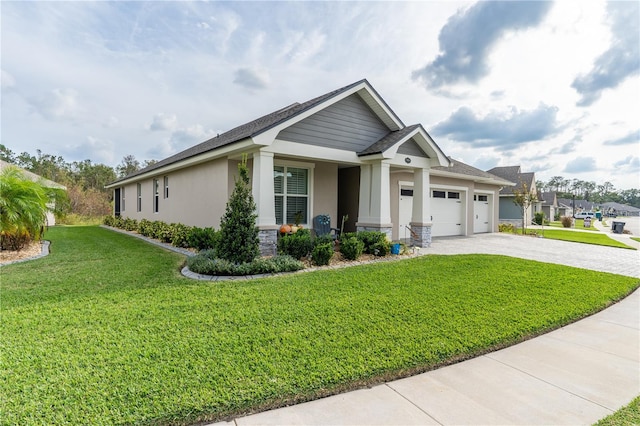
(398, 137)
(579, 204)
(467, 172)
(33, 177)
(549, 198)
(263, 130)
(513, 174)
(619, 207)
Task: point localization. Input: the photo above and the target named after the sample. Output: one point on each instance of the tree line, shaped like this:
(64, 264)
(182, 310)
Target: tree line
(85, 180)
(589, 191)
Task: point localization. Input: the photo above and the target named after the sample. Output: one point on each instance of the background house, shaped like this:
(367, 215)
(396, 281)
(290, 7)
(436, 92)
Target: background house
(509, 212)
(549, 204)
(50, 218)
(343, 153)
(618, 209)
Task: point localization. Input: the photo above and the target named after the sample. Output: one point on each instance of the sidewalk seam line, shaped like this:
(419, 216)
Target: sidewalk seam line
(549, 383)
(413, 403)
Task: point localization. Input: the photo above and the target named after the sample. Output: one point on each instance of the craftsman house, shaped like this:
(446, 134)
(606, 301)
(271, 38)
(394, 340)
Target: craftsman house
(343, 153)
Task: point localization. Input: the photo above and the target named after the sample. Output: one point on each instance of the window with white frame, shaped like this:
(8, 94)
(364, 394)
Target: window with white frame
(166, 187)
(139, 197)
(122, 204)
(291, 188)
(156, 195)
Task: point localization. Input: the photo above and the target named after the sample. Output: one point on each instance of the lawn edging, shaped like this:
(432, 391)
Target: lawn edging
(186, 272)
(44, 252)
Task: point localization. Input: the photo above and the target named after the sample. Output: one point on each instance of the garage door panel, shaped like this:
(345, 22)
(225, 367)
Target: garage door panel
(447, 214)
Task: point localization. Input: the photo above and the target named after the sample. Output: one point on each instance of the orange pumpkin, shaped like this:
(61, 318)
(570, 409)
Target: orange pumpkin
(285, 229)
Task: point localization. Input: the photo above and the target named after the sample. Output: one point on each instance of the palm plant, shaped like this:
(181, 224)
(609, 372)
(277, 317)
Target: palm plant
(23, 208)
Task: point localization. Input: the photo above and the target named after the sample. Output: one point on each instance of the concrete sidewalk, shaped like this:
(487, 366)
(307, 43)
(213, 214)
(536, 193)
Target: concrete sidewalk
(574, 375)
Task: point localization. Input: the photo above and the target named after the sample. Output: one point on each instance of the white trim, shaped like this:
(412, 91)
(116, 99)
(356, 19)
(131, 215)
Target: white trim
(292, 163)
(454, 187)
(188, 162)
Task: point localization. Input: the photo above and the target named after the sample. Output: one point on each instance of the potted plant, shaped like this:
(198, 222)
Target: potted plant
(297, 218)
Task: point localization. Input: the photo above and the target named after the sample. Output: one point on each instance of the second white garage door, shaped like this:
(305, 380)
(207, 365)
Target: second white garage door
(447, 212)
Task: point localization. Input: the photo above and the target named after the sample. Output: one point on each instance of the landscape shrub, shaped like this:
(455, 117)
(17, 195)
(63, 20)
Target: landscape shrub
(375, 242)
(129, 224)
(206, 263)
(161, 231)
(145, 228)
(180, 235)
(351, 248)
(239, 241)
(108, 220)
(322, 253)
(538, 218)
(566, 221)
(203, 238)
(296, 245)
(506, 227)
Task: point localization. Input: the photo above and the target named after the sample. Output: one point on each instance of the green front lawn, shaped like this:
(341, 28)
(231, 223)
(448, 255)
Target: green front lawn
(105, 330)
(579, 225)
(582, 237)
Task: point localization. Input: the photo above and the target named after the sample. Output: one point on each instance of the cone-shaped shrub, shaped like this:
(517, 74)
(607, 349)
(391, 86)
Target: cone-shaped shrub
(238, 232)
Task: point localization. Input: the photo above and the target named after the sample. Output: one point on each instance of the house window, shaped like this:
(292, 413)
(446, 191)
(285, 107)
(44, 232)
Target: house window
(122, 198)
(291, 188)
(156, 195)
(483, 198)
(439, 194)
(454, 195)
(139, 197)
(166, 187)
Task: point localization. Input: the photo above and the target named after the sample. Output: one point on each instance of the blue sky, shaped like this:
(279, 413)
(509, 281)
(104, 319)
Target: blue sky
(551, 86)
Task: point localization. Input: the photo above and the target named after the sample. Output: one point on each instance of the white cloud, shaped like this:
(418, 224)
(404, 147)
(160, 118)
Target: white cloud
(7, 80)
(96, 149)
(251, 78)
(57, 104)
(111, 122)
(162, 121)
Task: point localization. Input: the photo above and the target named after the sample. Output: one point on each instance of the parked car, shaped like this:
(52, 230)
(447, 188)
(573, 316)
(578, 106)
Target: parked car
(584, 215)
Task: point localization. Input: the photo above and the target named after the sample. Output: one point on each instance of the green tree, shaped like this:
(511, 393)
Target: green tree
(128, 165)
(23, 209)
(524, 198)
(238, 232)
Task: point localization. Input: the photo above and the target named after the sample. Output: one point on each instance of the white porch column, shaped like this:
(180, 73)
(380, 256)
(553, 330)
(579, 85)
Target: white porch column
(364, 206)
(421, 215)
(421, 200)
(375, 196)
(262, 188)
(263, 195)
(380, 193)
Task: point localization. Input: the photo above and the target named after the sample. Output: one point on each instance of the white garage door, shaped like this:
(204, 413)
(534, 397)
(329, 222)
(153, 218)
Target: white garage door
(446, 210)
(480, 213)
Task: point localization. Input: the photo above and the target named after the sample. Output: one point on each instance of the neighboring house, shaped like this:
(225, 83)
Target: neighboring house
(549, 204)
(571, 206)
(51, 219)
(618, 209)
(509, 211)
(343, 153)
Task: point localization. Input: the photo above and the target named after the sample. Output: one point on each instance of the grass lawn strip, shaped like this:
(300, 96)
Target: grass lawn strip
(105, 329)
(629, 415)
(579, 237)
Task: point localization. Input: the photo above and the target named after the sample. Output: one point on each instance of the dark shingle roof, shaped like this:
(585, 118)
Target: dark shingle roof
(388, 141)
(513, 174)
(250, 129)
(458, 167)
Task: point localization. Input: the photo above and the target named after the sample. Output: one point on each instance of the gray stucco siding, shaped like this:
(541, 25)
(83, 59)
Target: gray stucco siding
(348, 125)
(508, 209)
(410, 147)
